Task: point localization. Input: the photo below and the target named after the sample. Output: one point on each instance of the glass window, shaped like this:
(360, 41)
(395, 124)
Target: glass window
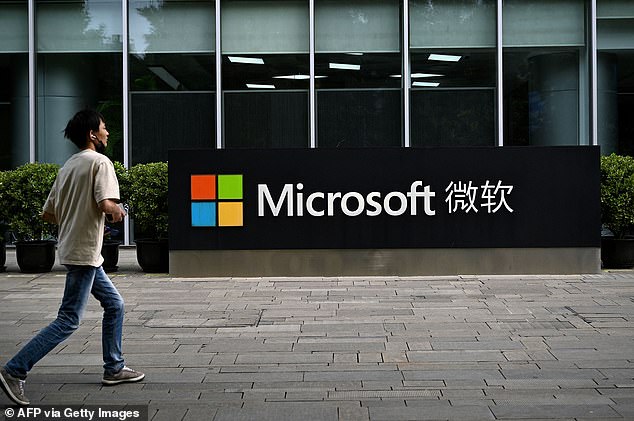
(357, 73)
(615, 39)
(265, 73)
(14, 93)
(453, 68)
(172, 77)
(545, 83)
(78, 65)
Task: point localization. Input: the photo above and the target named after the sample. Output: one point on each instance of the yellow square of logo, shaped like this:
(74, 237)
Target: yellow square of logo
(230, 214)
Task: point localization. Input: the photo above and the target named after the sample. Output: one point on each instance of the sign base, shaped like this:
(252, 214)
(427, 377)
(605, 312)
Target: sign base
(384, 262)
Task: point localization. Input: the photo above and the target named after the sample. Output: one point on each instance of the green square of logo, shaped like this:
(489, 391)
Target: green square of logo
(230, 186)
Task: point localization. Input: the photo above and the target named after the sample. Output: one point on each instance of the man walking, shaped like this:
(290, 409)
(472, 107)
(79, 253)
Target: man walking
(86, 188)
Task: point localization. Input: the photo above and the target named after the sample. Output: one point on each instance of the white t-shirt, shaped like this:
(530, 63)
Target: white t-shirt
(86, 179)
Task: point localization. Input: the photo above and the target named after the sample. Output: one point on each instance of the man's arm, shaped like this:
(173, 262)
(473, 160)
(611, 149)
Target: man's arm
(110, 207)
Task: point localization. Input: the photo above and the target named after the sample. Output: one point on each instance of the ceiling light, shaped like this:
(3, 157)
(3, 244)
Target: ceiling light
(246, 60)
(426, 84)
(419, 75)
(395, 75)
(344, 66)
(293, 77)
(297, 77)
(444, 57)
(165, 76)
(258, 86)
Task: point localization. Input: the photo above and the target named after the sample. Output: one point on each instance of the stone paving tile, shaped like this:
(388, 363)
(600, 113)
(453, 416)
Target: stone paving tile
(577, 411)
(439, 411)
(491, 376)
(292, 410)
(454, 356)
(169, 413)
(385, 348)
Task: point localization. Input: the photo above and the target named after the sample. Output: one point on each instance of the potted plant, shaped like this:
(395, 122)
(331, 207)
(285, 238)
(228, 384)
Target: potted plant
(110, 247)
(617, 210)
(3, 218)
(3, 255)
(25, 190)
(110, 250)
(148, 208)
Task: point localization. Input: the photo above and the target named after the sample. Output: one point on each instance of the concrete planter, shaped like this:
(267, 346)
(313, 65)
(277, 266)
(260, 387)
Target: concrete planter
(110, 253)
(153, 255)
(3, 256)
(617, 253)
(35, 256)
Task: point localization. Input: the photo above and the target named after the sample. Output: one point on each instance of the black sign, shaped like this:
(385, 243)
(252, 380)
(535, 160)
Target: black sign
(384, 198)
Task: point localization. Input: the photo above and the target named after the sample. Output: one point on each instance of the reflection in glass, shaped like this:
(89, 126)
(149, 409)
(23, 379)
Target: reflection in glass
(615, 38)
(452, 23)
(357, 69)
(358, 99)
(78, 25)
(78, 65)
(172, 77)
(616, 102)
(453, 98)
(543, 45)
(541, 97)
(265, 73)
(453, 68)
(14, 91)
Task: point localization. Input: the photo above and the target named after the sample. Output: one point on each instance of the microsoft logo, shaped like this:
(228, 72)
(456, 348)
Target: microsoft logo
(216, 200)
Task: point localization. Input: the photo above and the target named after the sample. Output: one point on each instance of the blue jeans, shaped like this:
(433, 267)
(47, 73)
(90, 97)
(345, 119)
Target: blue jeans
(80, 282)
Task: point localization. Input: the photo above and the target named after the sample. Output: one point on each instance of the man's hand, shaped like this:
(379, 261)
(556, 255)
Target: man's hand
(113, 211)
(49, 217)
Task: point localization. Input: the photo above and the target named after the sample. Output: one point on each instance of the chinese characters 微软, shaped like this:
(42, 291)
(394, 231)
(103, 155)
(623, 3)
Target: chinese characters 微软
(466, 197)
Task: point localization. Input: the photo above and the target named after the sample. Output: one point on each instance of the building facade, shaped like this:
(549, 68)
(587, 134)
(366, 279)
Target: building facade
(315, 74)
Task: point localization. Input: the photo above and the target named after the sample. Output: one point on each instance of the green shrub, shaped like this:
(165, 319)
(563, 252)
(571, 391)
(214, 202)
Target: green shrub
(617, 193)
(24, 192)
(148, 199)
(3, 210)
(124, 181)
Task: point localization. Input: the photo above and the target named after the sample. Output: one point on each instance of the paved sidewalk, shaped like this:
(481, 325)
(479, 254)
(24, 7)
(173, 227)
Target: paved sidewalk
(428, 348)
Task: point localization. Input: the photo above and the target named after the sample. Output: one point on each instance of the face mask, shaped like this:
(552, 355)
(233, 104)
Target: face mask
(100, 147)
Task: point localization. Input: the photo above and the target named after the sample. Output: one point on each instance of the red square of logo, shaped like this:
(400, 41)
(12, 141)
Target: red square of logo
(203, 187)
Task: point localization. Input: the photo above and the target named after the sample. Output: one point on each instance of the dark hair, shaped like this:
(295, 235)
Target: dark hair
(82, 123)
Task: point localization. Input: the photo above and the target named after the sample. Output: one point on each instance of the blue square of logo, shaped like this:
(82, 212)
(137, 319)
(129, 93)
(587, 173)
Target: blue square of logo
(203, 214)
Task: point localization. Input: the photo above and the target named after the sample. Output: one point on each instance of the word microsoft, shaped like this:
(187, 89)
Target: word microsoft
(295, 202)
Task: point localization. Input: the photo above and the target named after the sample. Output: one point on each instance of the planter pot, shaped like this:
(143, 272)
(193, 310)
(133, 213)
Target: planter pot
(153, 255)
(35, 256)
(110, 253)
(3, 256)
(617, 253)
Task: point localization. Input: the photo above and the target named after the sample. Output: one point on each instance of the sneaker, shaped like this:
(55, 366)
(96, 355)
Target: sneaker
(13, 387)
(126, 375)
